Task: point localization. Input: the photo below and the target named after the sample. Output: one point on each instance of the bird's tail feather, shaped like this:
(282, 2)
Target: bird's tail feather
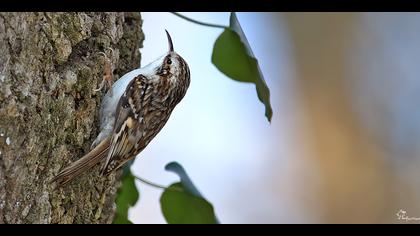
(85, 163)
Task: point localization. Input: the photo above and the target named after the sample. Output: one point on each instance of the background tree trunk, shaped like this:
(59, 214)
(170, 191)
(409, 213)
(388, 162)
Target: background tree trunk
(354, 182)
(49, 65)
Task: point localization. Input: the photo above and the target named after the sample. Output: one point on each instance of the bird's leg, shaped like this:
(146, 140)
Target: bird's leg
(107, 78)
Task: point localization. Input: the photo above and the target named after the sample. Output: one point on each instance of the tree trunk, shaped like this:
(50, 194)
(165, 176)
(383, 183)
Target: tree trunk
(353, 181)
(49, 65)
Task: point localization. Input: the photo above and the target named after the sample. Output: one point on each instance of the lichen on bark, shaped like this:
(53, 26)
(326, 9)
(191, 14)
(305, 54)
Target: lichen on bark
(49, 65)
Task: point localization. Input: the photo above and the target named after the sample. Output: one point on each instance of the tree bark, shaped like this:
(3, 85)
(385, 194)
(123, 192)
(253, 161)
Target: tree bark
(49, 65)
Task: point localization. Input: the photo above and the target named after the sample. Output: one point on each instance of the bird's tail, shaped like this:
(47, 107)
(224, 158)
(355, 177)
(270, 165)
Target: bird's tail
(85, 163)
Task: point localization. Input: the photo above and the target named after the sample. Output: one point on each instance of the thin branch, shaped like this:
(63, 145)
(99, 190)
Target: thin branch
(199, 22)
(149, 183)
(156, 185)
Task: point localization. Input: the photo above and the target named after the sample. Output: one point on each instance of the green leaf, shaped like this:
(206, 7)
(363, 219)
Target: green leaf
(182, 203)
(182, 207)
(127, 197)
(233, 56)
(185, 179)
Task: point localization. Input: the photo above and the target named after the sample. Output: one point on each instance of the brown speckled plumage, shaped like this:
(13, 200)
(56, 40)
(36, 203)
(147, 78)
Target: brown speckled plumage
(147, 105)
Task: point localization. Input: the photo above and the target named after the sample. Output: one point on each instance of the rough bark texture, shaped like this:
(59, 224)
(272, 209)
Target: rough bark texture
(49, 65)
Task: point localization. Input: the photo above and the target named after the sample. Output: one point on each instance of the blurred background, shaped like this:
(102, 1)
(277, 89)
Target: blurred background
(344, 142)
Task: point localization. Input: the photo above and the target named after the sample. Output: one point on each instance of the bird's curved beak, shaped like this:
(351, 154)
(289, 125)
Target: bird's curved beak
(171, 46)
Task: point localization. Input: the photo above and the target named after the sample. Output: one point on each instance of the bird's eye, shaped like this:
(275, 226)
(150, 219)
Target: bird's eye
(169, 61)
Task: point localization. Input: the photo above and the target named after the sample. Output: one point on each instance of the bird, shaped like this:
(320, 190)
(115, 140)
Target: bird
(132, 113)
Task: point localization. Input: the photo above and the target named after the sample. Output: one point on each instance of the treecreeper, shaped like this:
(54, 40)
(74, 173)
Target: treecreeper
(132, 113)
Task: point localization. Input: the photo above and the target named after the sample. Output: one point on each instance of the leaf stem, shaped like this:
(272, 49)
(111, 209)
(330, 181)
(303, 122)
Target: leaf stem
(199, 22)
(147, 182)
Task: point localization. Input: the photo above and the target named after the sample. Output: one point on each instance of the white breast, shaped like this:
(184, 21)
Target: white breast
(112, 97)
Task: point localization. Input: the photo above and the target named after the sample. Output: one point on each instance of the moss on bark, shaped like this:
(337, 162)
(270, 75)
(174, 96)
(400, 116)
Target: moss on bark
(49, 66)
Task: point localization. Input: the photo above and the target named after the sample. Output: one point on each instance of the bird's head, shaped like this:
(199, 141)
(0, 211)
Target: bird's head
(171, 65)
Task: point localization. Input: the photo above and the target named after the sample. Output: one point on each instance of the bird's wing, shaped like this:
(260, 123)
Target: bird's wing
(128, 128)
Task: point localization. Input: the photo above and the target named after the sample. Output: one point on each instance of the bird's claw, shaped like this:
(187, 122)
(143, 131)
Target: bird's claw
(107, 78)
(101, 86)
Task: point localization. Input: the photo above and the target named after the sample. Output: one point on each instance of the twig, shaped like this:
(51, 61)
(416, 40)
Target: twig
(198, 22)
(156, 185)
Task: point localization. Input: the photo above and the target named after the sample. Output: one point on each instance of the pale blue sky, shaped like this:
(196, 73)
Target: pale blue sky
(219, 132)
(253, 171)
